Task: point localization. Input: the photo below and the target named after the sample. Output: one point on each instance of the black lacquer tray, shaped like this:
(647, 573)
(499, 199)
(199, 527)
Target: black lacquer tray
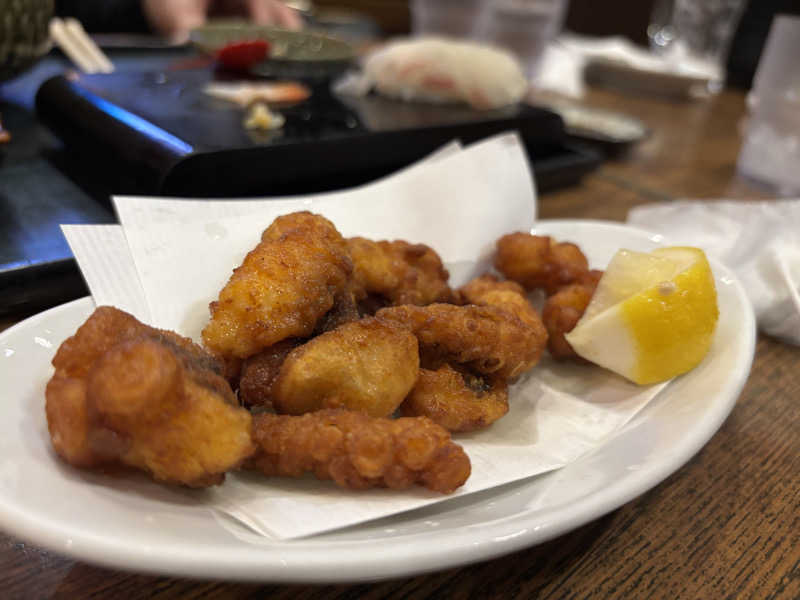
(169, 137)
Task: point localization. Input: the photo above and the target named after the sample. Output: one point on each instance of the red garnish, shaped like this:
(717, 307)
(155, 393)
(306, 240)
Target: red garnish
(241, 56)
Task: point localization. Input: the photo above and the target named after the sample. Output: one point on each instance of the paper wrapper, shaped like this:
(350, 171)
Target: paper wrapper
(457, 201)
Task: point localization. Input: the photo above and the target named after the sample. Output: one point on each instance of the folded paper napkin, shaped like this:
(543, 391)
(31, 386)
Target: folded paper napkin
(758, 240)
(562, 66)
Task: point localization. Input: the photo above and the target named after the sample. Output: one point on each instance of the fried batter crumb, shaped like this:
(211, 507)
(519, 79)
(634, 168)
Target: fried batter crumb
(539, 261)
(359, 452)
(458, 401)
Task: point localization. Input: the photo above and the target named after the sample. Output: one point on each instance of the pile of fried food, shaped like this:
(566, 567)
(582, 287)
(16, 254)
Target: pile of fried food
(349, 359)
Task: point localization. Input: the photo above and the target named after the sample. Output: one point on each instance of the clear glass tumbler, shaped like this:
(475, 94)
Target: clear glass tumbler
(451, 18)
(771, 149)
(701, 30)
(523, 26)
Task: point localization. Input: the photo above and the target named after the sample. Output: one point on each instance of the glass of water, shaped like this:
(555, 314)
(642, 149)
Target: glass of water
(771, 149)
(701, 30)
(452, 18)
(523, 26)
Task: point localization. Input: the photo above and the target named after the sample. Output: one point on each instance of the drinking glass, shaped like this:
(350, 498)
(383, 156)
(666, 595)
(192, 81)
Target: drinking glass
(771, 148)
(700, 30)
(523, 26)
(452, 18)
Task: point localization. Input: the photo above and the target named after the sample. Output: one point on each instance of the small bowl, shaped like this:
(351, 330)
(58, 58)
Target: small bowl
(24, 34)
(293, 54)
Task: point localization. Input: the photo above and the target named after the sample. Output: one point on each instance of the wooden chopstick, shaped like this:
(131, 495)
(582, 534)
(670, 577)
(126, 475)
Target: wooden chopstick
(73, 40)
(79, 34)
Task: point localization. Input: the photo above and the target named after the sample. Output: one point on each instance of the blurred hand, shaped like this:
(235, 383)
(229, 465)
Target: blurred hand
(175, 18)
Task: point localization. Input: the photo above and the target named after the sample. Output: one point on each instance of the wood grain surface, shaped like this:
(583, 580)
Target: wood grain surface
(726, 525)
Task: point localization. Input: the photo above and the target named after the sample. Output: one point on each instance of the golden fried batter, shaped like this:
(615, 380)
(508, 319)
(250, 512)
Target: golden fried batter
(127, 393)
(366, 365)
(282, 289)
(399, 272)
(487, 339)
(477, 288)
(359, 452)
(590, 279)
(458, 401)
(561, 313)
(539, 261)
(375, 268)
(260, 371)
(344, 310)
(487, 290)
(316, 226)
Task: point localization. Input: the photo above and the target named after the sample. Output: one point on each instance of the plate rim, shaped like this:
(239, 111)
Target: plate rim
(308, 560)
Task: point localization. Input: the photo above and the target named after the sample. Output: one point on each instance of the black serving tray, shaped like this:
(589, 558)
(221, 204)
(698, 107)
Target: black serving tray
(165, 136)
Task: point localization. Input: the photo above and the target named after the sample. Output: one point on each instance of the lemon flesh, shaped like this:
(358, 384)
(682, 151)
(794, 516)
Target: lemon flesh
(652, 316)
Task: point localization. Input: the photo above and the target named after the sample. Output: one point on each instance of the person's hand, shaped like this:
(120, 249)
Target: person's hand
(265, 12)
(176, 18)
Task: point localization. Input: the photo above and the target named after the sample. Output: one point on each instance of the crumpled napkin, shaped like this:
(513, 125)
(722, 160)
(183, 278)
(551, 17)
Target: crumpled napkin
(565, 58)
(760, 241)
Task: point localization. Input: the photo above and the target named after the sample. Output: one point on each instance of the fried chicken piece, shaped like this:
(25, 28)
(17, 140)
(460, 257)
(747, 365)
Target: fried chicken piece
(372, 303)
(127, 393)
(231, 369)
(314, 225)
(344, 310)
(563, 310)
(457, 400)
(488, 290)
(590, 279)
(425, 280)
(161, 419)
(359, 452)
(539, 261)
(486, 339)
(399, 272)
(260, 371)
(477, 288)
(282, 289)
(367, 365)
(254, 376)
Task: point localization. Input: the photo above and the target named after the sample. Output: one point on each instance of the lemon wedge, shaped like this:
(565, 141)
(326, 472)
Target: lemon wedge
(652, 316)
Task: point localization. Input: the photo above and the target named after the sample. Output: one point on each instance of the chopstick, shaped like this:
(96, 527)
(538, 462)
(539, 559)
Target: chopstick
(73, 40)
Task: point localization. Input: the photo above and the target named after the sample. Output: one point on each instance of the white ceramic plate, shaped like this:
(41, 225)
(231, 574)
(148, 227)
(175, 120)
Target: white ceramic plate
(157, 529)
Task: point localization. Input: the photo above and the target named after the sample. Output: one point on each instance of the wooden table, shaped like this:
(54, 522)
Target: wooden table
(727, 525)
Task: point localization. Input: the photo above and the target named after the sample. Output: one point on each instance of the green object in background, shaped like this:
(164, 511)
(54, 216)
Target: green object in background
(24, 35)
(286, 45)
(306, 55)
